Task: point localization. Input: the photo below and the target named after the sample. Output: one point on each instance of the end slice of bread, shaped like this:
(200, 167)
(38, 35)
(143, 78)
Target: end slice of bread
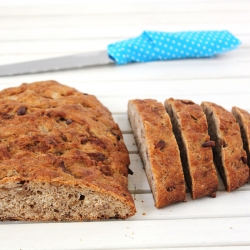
(229, 155)
(191, 131)
(158, 150)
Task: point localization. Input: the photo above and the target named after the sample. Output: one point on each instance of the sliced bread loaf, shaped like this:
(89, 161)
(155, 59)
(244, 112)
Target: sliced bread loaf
(191, 131)
(158, 150)
(229, 155)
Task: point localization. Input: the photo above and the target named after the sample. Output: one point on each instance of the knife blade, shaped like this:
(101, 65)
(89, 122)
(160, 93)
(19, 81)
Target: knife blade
(149, 46)
(57, 63)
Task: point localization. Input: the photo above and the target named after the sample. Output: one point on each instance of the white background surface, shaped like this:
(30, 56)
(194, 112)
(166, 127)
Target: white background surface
(41, 29)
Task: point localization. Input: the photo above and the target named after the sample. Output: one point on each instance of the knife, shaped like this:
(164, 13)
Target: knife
(149, 46)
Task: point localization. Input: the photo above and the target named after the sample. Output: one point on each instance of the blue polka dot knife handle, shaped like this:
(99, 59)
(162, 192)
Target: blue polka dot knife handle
(154, 46)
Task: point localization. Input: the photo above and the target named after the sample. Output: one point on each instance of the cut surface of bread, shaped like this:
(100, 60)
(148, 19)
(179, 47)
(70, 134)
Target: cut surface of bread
(191, 131)
(243, 119)
(158, 150)
(229, 155)
(62, 157)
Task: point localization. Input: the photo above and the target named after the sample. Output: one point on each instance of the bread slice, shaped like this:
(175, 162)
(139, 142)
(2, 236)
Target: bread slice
(243, 119)
(191, 131)
(62, 157)
(158, 150)
(229, 155)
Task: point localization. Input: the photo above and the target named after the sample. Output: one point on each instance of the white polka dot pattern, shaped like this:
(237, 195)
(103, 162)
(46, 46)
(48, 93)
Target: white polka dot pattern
(153, 46)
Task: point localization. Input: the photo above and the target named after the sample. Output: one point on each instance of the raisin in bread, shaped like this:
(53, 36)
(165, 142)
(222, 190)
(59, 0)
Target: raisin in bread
(158, 150)
(229, 155)
(191, 131)
(62, 157)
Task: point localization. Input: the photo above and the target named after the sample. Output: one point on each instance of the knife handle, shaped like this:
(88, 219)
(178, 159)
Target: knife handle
(155, 46)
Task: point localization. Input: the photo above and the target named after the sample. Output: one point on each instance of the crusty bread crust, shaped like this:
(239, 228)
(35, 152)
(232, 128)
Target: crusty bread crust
(158, 150)
(62, 157)
(229, 155)
(243, 119)
(191, 131)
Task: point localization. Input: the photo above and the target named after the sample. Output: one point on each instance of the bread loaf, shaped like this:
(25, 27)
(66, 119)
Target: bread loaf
(243, 119)
(158, 150)
(229, 155)
(62, 157)
(191, 131)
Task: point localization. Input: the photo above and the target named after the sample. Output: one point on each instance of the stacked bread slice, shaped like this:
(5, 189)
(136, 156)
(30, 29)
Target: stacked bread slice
(208, 137)
(243, 118)
(191, 131)
(158, 150)
(229, 155)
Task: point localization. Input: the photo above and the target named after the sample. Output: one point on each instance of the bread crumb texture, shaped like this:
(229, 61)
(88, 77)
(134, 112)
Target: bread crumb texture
(62, 157)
